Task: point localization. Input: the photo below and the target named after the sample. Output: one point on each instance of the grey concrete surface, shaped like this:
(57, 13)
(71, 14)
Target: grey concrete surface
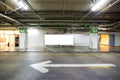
(16, 66)
(102, 48)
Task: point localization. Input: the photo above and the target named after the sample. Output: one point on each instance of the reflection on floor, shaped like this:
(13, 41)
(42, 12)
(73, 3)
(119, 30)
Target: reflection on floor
(108, 48)
(16, 66)
(8, 48)
(103, 48)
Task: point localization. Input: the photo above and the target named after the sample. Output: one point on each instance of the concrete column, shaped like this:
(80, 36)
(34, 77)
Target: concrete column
(23, 37)
(26, 40)
(94, 41)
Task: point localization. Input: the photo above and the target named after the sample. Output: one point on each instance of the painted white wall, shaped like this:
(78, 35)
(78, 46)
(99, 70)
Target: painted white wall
(94, 41)
(81, 39)
(35, 37)
(22, 40)
(117, 40)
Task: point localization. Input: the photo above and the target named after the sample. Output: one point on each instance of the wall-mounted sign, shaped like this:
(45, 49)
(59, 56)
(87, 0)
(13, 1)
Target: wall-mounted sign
(23, 30)
(87, 26)
(93, 30)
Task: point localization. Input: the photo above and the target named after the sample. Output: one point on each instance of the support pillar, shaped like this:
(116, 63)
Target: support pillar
(94, 38)
(23, 38)
(94, 41)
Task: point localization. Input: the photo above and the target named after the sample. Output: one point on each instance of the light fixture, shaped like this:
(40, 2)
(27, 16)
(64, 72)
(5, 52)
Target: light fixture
(22, 4)
(99, 5)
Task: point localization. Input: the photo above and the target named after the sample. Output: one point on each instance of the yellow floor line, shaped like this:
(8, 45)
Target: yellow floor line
(66, 54)
(85, 54)
(106, 67)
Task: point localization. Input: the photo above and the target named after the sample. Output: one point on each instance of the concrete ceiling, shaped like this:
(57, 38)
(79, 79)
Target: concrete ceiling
(56, 13)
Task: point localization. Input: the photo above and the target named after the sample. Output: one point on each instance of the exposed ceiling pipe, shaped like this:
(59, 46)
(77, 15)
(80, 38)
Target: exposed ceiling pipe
(43, 26)
(64, 21)
(28, 4)
(9, 18)
(10, 8)
(92, 1)
(114, 25)
(85, 15)
(117, 1)
(109, 6)
(110, 24)
(64, 5)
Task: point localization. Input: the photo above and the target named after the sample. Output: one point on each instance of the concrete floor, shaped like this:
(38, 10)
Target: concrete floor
(16, 66)
(15, 63)
(102, 48)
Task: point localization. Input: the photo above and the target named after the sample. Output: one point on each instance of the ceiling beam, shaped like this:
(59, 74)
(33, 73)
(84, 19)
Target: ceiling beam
(11, 19)
(10, 8)
(34, 11)
(65, 21)
(64, 6)
(109, 6)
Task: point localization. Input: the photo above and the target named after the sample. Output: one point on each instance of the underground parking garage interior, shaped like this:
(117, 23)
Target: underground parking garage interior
(59, 39)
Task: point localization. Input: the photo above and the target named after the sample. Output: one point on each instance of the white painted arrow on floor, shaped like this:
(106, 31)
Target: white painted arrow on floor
(42, 65)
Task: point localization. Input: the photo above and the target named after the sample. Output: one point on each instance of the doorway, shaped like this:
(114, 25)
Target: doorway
(9, 39)
(104, 39)
(104, 42)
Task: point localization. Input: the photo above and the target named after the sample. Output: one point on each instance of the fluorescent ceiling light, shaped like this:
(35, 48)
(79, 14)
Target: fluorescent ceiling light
(103, 28)
(22, 4)
(99, 5)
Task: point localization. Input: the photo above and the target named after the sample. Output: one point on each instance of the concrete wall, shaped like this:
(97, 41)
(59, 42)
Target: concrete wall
(94, 41)
(36, 37)
(117, 39)
(22, 41)
(81, 39)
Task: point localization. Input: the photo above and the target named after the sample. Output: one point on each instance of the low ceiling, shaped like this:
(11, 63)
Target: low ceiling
(60, 14)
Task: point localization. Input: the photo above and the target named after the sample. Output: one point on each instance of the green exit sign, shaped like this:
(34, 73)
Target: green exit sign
(87, 26)
(23, 30)
(93, 30)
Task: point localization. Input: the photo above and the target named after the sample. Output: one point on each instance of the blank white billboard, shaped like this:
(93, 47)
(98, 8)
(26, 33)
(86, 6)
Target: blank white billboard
(59, 39)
